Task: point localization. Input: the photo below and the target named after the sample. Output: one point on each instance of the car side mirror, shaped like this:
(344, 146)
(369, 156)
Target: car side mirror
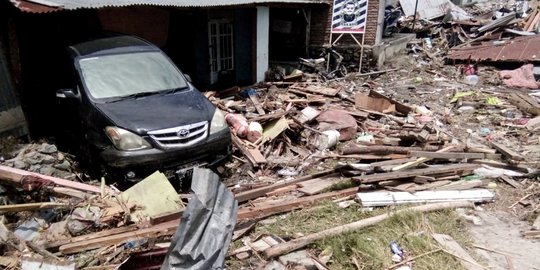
(66, 93)
(188, 78)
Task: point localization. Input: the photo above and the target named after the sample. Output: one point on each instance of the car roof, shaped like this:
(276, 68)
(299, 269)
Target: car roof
(108, 45)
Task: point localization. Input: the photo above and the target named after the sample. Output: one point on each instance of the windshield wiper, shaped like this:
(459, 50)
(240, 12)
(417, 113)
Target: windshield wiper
(136, 95)
(174, 90)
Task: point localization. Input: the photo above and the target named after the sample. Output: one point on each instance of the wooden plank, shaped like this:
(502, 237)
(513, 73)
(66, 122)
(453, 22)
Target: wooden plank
(256, 155)
(525, 103)
(510, 181)
(281, 190)
(266, 117)
(400, 107)
(422, 179)
(502, 165)
(317, 89)
(383, 149)
(415, 172)
(451, 155)
(32, 207)
(70, 192)
(253, 155)
(14, 175)
(257, 104)
(86, 237)
(162, 229)
(372, 199)
(421, 160)
(375, 165)
(315, 186)
(507, 152)
(533, 22)
(450, 245)
(8, 262)
(464, 185)
(167, 216)
(258, 192)
(272, 209)
(432, 185)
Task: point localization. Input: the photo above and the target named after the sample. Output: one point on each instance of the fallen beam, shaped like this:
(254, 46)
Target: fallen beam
(507, 152)
(382, 149)
(453, 168)
(86, 237)
(308, 239)
(502, 165)
(32, 206)
(15, 176)
(272, 209)
(162, 229)
(259, 192)
(421, 160)
(453, 155)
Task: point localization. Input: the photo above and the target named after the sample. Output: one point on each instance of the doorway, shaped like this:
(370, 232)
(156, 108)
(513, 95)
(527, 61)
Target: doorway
(220, 33)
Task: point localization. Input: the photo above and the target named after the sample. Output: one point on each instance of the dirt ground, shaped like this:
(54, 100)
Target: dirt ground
(501, 232)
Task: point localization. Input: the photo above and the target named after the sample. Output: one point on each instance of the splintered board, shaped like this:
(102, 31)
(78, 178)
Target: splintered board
(318, 89)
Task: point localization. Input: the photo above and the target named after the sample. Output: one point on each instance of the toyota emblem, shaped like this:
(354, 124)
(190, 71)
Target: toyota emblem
(183, 133)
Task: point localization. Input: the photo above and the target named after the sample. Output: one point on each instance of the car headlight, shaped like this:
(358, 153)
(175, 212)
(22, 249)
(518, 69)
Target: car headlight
(125, 140)
(218, 122)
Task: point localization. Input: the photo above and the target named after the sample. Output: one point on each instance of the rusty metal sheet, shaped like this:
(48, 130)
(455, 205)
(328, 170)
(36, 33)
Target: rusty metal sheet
(42, 6)
(520, 49)
(32, 7)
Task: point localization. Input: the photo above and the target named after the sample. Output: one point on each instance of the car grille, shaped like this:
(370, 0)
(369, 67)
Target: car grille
(180, 136)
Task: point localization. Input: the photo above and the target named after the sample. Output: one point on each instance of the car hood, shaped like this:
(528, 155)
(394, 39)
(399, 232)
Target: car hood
(158, 111)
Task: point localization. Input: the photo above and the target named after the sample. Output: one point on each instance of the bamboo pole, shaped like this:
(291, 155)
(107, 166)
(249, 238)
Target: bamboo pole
(33, 206)
(295, 244)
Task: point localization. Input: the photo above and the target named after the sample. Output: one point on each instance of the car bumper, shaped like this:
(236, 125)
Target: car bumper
(214, 148)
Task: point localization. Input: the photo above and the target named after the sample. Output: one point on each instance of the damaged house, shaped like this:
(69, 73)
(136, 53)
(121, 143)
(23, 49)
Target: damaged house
(218, 43)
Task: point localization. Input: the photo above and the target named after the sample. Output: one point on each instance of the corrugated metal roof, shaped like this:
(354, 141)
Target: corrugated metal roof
(39, 6)
(519, 49)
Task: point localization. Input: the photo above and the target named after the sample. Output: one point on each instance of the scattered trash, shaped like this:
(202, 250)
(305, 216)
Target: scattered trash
(472, 79)
(326, 139)
(397, 252)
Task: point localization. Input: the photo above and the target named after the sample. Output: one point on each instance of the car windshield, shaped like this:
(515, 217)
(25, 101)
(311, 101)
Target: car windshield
(130, 74)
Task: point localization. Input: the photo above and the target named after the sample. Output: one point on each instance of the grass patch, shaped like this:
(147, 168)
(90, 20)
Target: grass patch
(370, 246)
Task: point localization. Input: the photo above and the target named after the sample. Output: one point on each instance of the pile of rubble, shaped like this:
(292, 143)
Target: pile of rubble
(380, 141)
(42, 158)
(418, 132)
(347, 133)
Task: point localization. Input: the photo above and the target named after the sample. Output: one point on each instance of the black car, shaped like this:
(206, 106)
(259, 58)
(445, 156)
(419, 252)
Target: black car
(136, 112)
